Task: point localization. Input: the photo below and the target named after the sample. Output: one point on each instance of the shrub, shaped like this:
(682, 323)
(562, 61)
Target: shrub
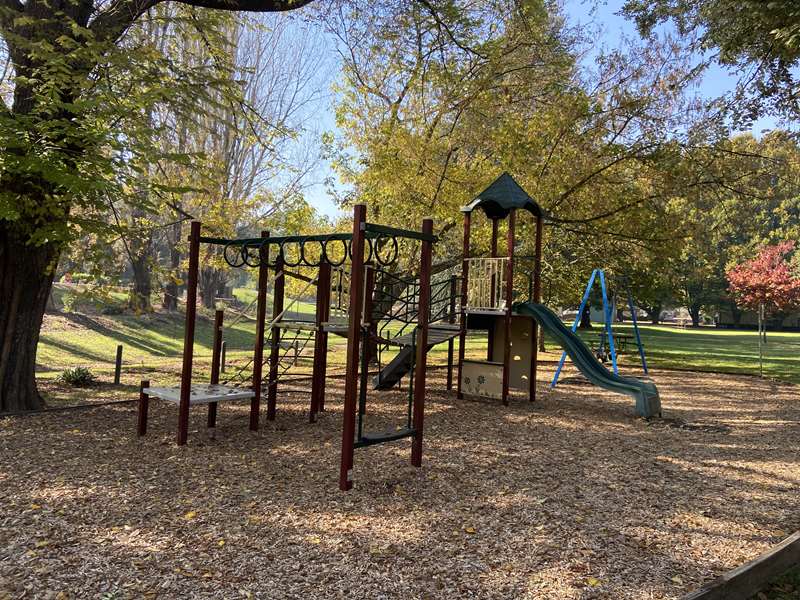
(77, 377)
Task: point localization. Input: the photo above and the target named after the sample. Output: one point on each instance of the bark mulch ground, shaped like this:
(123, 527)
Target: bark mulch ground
(572, 497)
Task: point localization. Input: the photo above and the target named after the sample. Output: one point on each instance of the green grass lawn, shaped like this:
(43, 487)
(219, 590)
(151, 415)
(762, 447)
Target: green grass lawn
(76, 339)
(710, 349)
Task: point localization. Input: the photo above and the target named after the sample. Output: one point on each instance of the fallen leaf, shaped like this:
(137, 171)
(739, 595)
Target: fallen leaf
(593, 581)
(190, 515)
(677, 579)
(469, 529)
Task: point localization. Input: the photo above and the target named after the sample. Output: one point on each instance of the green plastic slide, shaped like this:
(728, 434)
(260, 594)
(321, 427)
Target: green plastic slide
(644, 393)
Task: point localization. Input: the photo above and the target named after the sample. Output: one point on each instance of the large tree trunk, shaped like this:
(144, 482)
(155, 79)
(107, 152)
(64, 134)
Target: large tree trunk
(586, 317)
(26, 278)
(694, 313)
(654, 312)
(142, 283)
(212, 284)
(171, 289)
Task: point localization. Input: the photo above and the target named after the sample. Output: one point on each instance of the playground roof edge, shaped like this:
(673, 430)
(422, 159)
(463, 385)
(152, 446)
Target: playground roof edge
(503, 195)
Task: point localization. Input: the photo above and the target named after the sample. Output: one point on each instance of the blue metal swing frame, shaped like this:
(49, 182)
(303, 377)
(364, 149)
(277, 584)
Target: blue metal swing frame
(608, 313)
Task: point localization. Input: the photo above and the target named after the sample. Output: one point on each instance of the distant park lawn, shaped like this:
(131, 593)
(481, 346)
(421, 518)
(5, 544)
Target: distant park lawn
(76, 339)
(717, 350)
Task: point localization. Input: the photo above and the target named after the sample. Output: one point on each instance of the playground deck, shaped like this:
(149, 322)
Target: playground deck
(569, 498)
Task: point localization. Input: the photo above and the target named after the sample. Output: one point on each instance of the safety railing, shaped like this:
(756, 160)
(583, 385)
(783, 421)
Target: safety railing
(486, 284)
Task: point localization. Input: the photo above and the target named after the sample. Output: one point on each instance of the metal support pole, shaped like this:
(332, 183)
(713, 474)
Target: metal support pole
(512, 217)
(275, 349)
(353, 343)
(537, 298)
(320, 339)
(608, 314)
(261, 323)
(492, 290)
(222, 356)
(462, 336)
(118, 365)
(188, 335)
(639, 344)
(420, 368)
(144, 403)
(450, 343)
(574, 328)
(216, 354)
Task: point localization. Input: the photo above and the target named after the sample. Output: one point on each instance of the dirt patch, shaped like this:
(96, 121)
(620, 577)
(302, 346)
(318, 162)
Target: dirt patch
(571, 497)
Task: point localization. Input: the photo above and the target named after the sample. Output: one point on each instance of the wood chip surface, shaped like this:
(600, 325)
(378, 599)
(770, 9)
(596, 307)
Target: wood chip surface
(571, 497)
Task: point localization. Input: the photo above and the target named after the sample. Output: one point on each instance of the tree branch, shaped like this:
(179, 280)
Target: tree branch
(111, 23)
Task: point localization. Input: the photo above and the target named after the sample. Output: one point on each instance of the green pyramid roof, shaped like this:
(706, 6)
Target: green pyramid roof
(501, 196)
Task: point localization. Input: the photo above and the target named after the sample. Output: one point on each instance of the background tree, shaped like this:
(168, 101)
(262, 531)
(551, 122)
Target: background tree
(768, 283)
(760, 39)
(61, 152)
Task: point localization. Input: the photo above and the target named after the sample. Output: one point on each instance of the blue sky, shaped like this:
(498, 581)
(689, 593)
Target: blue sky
(612, 30)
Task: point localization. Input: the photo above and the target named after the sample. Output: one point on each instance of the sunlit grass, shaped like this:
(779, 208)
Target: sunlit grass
(150, 340)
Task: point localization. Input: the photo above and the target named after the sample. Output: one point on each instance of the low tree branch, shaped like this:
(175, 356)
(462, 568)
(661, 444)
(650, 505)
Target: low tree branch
(112, 22)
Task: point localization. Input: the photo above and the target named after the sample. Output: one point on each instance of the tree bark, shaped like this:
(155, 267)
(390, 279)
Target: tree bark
(586, 317)
(171, 289)
(694, 313)
(654, 312)
(212, 285)
(26, 279)
(141, 264)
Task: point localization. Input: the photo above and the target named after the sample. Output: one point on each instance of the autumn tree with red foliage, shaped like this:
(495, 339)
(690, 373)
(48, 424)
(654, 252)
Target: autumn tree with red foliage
(768, 280)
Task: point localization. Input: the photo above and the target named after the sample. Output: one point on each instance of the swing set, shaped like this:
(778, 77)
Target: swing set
(607, 336)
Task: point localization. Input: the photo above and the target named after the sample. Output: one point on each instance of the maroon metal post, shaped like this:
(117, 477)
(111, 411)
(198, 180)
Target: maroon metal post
(462, 336)
(188, 333)
(144, 403)
(216, 354)
(512, 218)
(261, 324)
(450, 343)
(278, 292)
(320, 339)
(325, 316)
(372, 327)
(537, 297)
(493, 290)
(353, 342)
(420, 369)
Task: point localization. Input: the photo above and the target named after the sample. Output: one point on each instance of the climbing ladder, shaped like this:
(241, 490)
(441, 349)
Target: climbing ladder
(403, 310)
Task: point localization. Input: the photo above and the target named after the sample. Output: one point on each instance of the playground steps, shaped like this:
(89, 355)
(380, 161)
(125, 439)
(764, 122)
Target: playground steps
(401, 364)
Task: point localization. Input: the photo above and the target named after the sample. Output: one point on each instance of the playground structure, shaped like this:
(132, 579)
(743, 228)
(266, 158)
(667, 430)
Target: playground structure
(488, 303)
(361, 295)
(358, 294)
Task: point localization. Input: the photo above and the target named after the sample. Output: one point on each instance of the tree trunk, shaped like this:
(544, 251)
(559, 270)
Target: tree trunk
(540, 338)
(171, 291)
(212, 285)
(654, 312)
(586, 317)
(694, 313)
(26, 279)
(142, 284)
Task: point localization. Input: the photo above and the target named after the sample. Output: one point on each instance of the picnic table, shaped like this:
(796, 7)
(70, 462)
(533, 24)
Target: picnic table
(621, 341)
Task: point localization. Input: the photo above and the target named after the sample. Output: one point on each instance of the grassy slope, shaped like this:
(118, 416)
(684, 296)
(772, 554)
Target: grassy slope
(75, 339)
